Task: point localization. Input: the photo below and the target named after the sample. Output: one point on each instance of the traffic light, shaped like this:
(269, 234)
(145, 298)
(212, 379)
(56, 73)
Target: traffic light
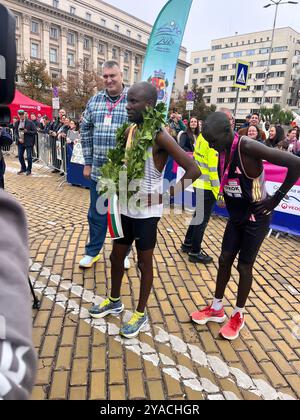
(8, 59)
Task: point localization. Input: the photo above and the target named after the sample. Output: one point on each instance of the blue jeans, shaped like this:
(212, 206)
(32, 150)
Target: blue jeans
(21, 150)
(97, 223)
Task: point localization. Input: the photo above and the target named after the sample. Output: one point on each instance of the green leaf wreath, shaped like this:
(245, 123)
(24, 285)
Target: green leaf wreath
(136, 156)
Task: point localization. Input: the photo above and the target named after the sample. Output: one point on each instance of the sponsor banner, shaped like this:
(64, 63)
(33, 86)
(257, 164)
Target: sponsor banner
(164, 47)
(291, 204)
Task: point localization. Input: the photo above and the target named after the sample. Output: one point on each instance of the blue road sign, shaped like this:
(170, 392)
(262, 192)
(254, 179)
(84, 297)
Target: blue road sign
(241, 76)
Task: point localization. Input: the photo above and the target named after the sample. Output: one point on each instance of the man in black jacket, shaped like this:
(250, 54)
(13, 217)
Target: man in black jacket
(5, 140)
(26, 131)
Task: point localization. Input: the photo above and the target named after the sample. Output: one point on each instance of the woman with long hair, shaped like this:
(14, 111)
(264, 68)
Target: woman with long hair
(253, 133)
(276, 136)
(187, 139)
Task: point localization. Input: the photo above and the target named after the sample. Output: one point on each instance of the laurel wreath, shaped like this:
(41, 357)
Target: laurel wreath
(134, 159)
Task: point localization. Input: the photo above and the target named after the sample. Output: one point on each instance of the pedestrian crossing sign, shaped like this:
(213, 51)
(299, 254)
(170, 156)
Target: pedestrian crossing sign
(241, 76)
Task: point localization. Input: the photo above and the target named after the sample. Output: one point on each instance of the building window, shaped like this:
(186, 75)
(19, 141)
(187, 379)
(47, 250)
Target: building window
(99, 67)
(196, 71)
(117, 28)
(205, 59)
(100, 48)
(71, 38)
(103, 22)
(72, 10)
(54, 75)
(251, 52)
(128, 33)
(71, 59)
(55, 4)
(86, 63)
(34, 50)
(221, 100)
(223, 79)
(139, 37)
(87, 44)
(126, 74)
(136, 76)
(238, 54)
(212, 58)
(210, 79)
(53, 33)
(126, 57)
(226, 56)
(196, 60)
(35, 27)
(53, 55)
(137, 62)
(114, 54)
(17, 21)
(225, 67)
(88, 16)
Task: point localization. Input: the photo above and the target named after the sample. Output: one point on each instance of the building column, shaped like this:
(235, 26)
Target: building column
(132, 69)
(64, 53)
(79, 50)
(109, 52)
(121, 59)
(26, 43)
(95, 55)
(45, 45)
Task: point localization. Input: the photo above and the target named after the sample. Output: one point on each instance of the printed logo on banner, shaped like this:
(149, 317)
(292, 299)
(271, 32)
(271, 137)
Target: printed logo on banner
(291, 204)
(161, 84)
(167, 35)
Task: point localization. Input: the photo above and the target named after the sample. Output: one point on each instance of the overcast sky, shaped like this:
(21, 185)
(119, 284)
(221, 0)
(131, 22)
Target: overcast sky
(212, 19)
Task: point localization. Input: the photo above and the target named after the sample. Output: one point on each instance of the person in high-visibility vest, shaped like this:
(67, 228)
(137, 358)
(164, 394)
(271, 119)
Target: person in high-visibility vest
(207, 189)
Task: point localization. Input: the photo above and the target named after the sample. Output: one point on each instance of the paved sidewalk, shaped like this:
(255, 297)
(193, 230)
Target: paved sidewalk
(173, 359)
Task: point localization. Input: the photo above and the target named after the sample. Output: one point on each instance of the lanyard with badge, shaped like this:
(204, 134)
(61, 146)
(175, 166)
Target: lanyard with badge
(225, 170)
(110, 108)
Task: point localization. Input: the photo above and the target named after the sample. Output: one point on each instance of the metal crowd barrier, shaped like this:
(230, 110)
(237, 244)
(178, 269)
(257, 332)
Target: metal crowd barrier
(51, 152)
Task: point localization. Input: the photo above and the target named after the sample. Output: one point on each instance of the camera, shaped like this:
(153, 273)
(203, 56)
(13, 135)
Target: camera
(8, 62)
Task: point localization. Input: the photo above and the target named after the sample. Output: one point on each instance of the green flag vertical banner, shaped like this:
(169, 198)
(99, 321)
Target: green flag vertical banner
(164, 47)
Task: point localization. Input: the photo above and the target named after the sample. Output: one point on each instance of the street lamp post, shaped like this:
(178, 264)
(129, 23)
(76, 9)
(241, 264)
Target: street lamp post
(276, 4)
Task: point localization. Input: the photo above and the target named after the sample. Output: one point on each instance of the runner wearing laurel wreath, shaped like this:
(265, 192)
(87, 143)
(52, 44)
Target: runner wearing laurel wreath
(140, 156)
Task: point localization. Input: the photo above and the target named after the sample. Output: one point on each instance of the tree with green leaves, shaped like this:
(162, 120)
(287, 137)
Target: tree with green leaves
(35, 81)
(276, 115)
(201, 110)
(76, 91)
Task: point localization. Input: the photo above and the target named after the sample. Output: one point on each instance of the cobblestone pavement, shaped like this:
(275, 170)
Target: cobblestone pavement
(173, 359)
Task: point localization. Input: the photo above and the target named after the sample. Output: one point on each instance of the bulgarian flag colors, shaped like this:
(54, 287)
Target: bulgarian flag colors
(114, 218)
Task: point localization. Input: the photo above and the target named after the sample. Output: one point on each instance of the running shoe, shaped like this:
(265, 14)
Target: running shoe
(106, 308)
(88, 262)
(134, 326)
(232, 329)
(209, 315)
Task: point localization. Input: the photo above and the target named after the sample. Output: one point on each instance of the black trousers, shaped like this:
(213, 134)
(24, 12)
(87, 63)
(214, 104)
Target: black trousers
(205, 204)
(2, 171)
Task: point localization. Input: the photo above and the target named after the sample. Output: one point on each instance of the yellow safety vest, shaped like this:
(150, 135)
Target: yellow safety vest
(207, 160)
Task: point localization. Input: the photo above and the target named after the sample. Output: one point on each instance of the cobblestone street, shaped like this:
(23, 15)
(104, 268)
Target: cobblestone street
(173, 359)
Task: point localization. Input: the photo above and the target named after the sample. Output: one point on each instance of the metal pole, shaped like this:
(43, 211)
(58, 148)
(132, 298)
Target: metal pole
(270, 56)
(236, 102)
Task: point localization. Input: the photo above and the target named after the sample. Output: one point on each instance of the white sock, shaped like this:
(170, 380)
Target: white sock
(217, 304)
(238, 310)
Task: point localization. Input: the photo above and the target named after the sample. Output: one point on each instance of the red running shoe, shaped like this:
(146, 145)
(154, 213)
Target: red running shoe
(209, 315)
(232, 329)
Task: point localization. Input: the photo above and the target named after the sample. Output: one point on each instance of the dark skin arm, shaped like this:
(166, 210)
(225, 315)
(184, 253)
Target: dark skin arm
(254, 154)
(167, 146)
